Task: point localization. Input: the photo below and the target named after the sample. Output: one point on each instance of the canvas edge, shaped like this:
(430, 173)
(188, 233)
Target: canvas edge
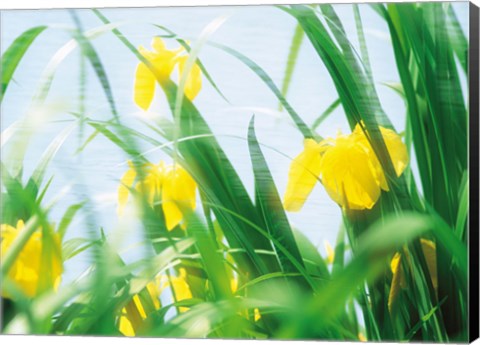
(474, 173)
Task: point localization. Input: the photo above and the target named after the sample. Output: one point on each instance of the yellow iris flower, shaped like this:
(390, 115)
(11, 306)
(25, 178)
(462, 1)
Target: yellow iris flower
(164, 61)
(28, 268)
(170, 184)
(399, 281)
(348, 168)
(129, 326)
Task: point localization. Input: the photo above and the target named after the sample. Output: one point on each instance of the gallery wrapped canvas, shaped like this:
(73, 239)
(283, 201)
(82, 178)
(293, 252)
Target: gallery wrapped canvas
(241, 172)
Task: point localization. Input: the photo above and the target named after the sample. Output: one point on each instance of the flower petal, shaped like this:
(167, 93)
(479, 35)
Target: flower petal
(144, 86)
(397, 151)
(303, 174)
(347, 175)
(193, 83)
(181, 288)
(158, 45)
(34, 270)
(123, 190)
(125, 326)
(178, 193)
(429, 251)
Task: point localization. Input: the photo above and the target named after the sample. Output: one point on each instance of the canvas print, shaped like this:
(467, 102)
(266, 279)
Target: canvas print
(240, 172)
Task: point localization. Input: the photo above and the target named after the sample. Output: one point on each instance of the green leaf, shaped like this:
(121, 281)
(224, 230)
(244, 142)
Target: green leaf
(14, 54)
(67, 218)
(301, 125)
(297, 40)
(270, 205)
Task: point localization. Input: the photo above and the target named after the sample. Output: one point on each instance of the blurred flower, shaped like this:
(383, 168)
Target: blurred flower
(32, 268)
(330, 252)
(234, 288)
(180, 287)
(399, 281)
(170, 184)
(361, 337)
(164, 61)
(347, 167)
(132, 320)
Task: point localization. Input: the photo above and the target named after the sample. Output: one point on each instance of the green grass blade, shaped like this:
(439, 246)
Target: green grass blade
(91, 54)
(14, 54)
(318, 121)
(260, 72)
(67, 218)
(292, 60)
(212, 260)
(270, 205)
(457, 38)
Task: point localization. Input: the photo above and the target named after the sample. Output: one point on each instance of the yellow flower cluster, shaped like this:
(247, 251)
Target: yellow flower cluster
(29, 268)
(180, 288)
(127, 324)
(347, 167)
(171, 185)
(163, 61)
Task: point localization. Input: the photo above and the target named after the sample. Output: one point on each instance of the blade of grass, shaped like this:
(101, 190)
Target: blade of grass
(293, 52)
(301, 125)
(270, 204)
(318, 121)
(14, 54)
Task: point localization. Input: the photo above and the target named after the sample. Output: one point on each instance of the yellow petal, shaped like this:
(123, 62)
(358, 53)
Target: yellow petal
(234, 284)
(133, 319)
(429, 251)
(139, 305)
(181, 288)
(126, 183)
(193, 83)
(158, 45)
(151, 187)
(303, 175)
(153, 290)
(178, 193)
(31, 267)
(398, 281)
(347, 175)
(144, 86)
(397, 151)
(256, 314)
(361, 337)
(330, 252)
(125, 326)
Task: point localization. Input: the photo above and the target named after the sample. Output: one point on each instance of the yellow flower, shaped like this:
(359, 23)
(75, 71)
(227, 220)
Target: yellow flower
(129, 324)
(29, 268)
(330, 252)
(347, 167)
(164, 61)
(361, 337)
(170, 184)
(180, 287)
(234, 288)
(399, 281)
(131, 321)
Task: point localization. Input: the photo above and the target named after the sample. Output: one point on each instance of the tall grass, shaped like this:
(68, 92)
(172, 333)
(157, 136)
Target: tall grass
(249, 273)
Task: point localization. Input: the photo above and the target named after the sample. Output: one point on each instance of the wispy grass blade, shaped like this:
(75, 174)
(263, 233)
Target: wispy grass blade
(293, 52)
(14, 54)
